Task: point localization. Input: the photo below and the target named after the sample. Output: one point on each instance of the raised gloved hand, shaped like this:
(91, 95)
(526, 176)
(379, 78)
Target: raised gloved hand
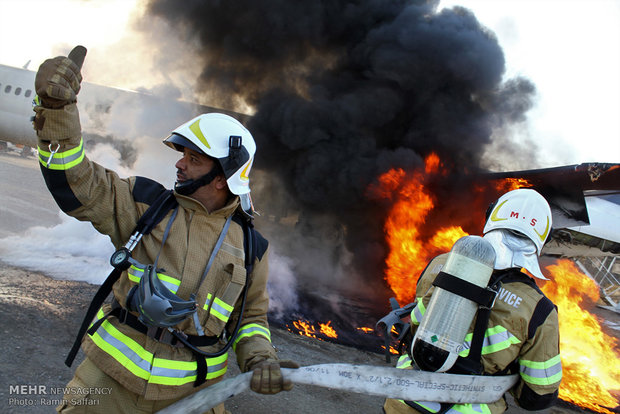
(267, 376)
(57, 82)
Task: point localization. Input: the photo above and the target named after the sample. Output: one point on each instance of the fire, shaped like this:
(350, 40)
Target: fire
(327, 330)
(393, 349)
(409, 252)
(509, 184)
(366, 329)
(590, 364)
(432, 164)
(305, 328)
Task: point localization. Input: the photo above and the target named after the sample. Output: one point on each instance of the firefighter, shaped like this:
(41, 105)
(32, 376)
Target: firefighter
(189, 288)
(522, 332)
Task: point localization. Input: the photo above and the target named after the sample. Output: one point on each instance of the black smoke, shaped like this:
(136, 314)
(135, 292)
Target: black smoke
(345, 91)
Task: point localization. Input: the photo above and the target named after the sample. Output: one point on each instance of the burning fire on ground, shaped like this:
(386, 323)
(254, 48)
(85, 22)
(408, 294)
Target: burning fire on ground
(590, 364)
(306, 328)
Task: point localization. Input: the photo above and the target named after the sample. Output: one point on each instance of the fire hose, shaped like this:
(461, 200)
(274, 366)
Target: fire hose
(364, 379)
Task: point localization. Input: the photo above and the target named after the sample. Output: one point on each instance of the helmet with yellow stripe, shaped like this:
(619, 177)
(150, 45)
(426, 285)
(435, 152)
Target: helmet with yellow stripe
(525, 211)
(223, 138)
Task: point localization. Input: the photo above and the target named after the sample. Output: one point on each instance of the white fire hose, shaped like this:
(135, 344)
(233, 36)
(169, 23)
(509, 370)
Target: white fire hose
(364, 379)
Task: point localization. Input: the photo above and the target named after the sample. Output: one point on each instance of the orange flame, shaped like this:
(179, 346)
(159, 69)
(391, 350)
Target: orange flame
(305, 328)
(409, 253)
(327, 330)
(393, 349)
(366, 329)
(508, 184)
(590, 364)
(432, 164)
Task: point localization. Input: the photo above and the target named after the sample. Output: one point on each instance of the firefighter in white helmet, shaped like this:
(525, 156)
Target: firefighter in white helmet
(190, 273)
(520, 331)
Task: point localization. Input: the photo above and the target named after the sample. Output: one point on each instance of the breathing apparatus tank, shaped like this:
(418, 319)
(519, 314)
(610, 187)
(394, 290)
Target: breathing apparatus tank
(447, 319)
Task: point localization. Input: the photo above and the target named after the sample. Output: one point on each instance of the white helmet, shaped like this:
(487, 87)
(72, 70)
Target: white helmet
(221, 137)
(525, 211)
(518, 225)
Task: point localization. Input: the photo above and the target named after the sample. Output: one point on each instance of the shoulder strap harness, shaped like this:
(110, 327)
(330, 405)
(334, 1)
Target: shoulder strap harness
(120, 261)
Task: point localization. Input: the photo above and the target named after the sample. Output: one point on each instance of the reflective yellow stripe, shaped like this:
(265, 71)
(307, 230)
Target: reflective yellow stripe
(249, 330)
(208, 302)
(62, 160)
(136, 366)
(215, 367)
(135, 274)
(418, 312)
(144, 365)
(221, 309)
(403, 361)
(541, 373)
(496, 339)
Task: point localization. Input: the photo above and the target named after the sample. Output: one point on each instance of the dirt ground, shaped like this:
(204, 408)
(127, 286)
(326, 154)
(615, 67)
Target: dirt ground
(40, 315)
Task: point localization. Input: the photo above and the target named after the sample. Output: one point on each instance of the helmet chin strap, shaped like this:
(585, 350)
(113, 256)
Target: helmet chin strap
(190, 186)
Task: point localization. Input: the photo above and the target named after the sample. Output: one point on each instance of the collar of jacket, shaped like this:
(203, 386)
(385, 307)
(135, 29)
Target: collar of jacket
(190, 203)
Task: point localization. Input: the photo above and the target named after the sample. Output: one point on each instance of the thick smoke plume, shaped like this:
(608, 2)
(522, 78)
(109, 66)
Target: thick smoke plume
(344, 91)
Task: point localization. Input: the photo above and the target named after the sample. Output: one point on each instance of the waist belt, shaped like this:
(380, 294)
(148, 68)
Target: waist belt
(159, 334)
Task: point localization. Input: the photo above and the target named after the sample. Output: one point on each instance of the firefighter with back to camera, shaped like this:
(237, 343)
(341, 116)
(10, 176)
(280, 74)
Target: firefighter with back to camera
(517, 331)
(190, 272)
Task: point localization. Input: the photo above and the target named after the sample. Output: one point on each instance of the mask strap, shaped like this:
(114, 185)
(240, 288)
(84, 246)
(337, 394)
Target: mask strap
(189, 186)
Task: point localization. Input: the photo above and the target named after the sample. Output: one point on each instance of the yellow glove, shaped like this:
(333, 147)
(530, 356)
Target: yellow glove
(267, 376)
(57, 82)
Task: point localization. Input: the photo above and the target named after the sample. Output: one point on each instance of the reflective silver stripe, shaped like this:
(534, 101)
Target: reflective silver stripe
(124, 349)
(496, 339)
(155, 370)
(541, 373)
(403, 362)
(251, 330)
(180, 373)
(418, 312)
(208, 302)
(172, 373)
(218, 307)
(62, 160)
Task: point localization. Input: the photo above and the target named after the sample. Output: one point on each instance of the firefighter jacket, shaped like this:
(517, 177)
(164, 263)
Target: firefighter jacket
(154, 369)
(522, 336)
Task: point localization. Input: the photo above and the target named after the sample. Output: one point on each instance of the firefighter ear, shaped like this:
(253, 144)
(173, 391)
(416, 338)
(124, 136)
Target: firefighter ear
(220, 182)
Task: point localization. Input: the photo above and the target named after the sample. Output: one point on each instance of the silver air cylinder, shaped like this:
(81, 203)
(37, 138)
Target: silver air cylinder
(441, 333)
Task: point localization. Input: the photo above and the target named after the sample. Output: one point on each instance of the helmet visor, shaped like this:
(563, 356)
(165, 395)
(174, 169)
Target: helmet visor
(178, 142)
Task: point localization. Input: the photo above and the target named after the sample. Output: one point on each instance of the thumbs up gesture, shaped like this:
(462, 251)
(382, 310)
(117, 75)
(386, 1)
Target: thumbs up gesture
(58, 80)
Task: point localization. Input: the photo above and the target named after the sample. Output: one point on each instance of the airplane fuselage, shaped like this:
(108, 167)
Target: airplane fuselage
(16, 95)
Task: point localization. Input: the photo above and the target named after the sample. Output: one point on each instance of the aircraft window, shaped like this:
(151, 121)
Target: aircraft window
(27, 93)
(7, 89)
(18, 91)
